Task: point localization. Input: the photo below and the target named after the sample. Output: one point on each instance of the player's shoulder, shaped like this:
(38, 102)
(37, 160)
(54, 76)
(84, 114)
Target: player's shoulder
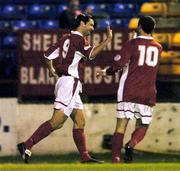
(157, 44)
(76, 39)
(77, 35)
(65, 36)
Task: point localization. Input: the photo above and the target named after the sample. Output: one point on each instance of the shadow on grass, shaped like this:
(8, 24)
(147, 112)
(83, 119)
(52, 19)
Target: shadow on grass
(139, 157)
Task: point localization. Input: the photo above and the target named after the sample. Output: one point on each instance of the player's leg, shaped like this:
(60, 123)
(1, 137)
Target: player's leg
(136, 137)
(63, 91)
(43, 131)
(117, 140)
(78, 133)
(46, 128)
(139, 133)
(79, 136)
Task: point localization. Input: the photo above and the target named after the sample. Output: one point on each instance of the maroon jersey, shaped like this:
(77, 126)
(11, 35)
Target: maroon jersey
(139, 60)
(69, 54)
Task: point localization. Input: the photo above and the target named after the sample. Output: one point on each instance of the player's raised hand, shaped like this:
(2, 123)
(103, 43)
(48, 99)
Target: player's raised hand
(109, 31)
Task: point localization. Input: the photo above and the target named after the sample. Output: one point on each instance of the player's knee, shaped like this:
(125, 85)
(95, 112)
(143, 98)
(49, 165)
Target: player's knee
(56, 125)
(80, 124)
(120, 130)
(59, 126)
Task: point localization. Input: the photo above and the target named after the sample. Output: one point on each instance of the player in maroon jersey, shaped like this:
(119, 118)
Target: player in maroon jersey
(69, 54)
(138, 61)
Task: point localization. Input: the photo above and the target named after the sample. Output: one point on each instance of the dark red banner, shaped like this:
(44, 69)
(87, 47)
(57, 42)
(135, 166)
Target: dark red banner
(33, 75)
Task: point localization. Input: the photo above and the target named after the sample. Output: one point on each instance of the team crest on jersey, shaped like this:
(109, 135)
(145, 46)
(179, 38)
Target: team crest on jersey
(117, 57)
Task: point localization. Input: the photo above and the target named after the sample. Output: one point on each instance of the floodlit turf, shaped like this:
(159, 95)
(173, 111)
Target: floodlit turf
(71, 162)
(92, 167)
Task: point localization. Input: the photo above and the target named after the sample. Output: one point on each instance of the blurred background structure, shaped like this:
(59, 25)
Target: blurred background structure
(45, 14)
(24, 23)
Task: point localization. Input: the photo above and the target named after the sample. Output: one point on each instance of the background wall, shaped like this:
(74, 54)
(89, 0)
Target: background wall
(23, 119)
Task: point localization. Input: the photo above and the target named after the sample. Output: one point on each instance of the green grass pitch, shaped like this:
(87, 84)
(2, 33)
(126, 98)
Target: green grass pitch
(70, 162)
(92, 167)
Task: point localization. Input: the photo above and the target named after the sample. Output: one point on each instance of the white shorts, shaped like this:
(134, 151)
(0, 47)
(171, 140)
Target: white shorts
(130, 110)
(67, 96)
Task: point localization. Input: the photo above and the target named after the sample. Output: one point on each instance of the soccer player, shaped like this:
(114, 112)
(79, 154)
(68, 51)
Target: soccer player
(69, 53)
(138, 61)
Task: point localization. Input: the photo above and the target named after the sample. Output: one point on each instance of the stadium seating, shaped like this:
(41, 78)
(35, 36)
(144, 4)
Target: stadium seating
(133, 23)
(12, 11)
(9, 41)
(166, 55)
(8, 65)
(23, 24)
(170, 63)
(170, 68)
(61, 8)
(96, 8)
(36, 1)
(164, 39)
(23, 14)
(121, 9)
(2, 2)
(102, 23)
(176, 40)
(41, 11)
(119, 23)
(5, 25)
(168, 23)
(154, 8)
(48, 24)
(176, 66)
(173, 9)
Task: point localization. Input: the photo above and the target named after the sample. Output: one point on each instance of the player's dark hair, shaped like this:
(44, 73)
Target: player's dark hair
(82, 17)
(147, 24)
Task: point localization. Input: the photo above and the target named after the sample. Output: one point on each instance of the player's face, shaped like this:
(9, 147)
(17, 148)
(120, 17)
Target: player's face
(89, 27)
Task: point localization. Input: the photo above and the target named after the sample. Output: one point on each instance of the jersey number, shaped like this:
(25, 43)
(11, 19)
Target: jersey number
(65, 47)
(148, 55)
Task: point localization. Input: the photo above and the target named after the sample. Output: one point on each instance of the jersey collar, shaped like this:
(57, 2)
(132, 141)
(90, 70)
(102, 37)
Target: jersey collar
(76, 32)
(145, 37)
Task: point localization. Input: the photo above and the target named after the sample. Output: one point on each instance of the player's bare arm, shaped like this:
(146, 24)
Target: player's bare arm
(52, 72)
(103, 44)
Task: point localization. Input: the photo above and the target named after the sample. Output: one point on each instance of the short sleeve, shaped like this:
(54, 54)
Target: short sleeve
(123, 57)
(52, 52)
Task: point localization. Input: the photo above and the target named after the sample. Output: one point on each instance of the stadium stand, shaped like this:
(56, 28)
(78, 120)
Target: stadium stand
(133, 23)
(154, 8)
(166, 55)
(169, 22)
(61, 8)
(5, 25)
(164, 38)
(13, 12)
(9, 41)
(48, 24)
(40, 11)
(176, 40)
(23, 24)
(39, 14)
(173, 9)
